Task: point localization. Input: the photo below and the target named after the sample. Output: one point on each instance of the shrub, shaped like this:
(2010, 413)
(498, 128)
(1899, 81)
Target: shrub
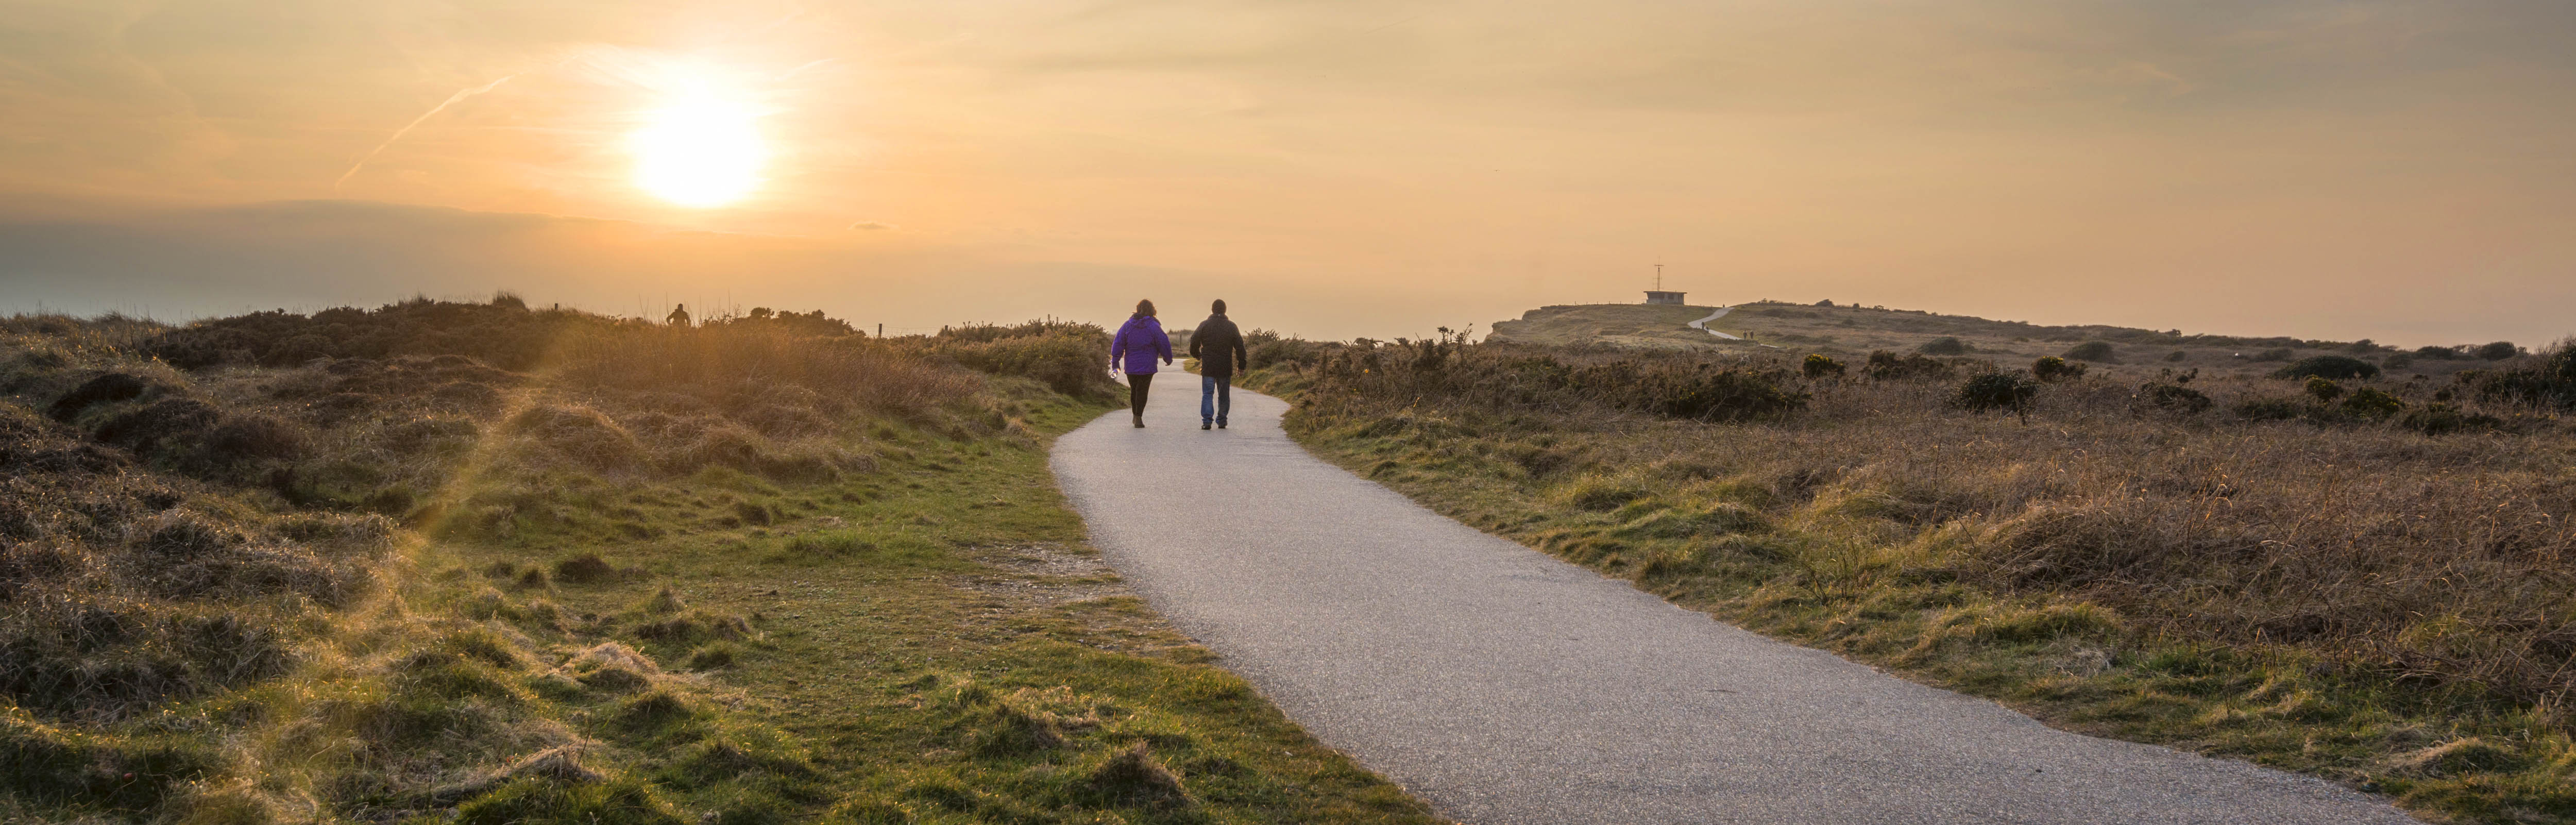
(2172, 398)
(2053, 368)
(2552, 383)
(1724, 395)
(2437, 353)
(2440, 419)
(1069, 358)
(2100, 351)
(1818, 367)
(2497, 351)
(1996, 390)
(1267, 349)
(496, 333)
(1888, 366)
(2398, 361)
(2178, 355)
(2270, 409)
(1944, 345)
(2369, 402)
(109, 387)
(2328, 366)
(2275, 354)
(2322, 388)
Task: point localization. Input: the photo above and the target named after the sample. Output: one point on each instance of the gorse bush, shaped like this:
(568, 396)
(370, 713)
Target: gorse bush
(1817, 367)
(2173, 399)
(1996, 391)
(510, 336)
(2053, 368)
(736, 366)
(2370, 402)
(2100, 351)
(1888, 366)
(2496, 351)
(2322, 388)
(2439, 418)
(1069, 358)
(2550, 384)
(1944, 345)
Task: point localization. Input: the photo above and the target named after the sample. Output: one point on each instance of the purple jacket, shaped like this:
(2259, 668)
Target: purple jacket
(1140, 342)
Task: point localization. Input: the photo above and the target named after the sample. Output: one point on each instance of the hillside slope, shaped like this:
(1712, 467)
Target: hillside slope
(1845, 330)
(485, 565)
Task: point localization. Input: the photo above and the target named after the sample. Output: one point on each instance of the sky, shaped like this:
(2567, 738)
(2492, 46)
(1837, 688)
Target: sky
(2393, 170)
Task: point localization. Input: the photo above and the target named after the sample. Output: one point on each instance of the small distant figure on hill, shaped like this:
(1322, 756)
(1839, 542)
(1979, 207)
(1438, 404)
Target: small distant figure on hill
(1219, 347)
(679, 316)
(1137, 345)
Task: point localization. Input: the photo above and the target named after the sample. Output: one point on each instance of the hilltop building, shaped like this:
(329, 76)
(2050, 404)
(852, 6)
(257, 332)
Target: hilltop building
(1657, 296)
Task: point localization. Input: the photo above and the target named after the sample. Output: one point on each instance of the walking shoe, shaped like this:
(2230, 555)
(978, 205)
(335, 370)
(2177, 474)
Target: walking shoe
(1220, 425)
(1140, 422)
(1203, 425)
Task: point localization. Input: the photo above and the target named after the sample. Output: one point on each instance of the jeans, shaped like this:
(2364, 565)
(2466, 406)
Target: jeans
(1216, 395)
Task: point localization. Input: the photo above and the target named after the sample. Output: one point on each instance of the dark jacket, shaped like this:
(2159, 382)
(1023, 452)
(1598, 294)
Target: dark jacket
(1218, 346)
(1139, 343)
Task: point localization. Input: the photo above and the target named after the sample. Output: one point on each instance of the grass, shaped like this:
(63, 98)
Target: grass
(2342, 595)
(944, 644)
(780, 573)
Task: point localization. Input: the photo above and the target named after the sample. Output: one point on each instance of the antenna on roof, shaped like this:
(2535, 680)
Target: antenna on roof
(1659, 277)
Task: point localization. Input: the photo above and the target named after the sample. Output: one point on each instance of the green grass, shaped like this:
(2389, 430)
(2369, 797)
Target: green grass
(930, 642)
(1841, 569)
(622, 585)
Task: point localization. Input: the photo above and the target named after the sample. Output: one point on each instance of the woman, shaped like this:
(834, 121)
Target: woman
(1139, 342)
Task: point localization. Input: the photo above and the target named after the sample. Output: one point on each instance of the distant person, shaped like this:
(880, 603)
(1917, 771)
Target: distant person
(1219, 347)
(679, 316)
(1139, 342)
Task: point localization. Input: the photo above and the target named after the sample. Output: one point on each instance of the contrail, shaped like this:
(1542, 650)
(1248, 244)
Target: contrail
(407, 127)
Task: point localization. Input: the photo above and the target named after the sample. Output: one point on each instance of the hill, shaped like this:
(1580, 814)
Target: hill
(1846, 330)
(482, 564)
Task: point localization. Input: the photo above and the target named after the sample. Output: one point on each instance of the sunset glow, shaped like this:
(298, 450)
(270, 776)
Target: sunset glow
(702, 149)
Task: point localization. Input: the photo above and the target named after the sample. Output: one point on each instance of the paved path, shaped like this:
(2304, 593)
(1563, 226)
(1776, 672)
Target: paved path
(1506, 686)
(1720, 313)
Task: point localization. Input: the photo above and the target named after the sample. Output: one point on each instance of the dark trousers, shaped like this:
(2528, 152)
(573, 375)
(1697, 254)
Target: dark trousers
(1136, 384)
(1216, 395)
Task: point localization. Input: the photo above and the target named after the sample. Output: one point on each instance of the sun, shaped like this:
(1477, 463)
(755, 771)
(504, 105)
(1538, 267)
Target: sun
(701, 148)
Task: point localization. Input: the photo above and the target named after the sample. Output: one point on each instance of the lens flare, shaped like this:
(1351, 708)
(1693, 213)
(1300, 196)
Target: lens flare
(701, 149)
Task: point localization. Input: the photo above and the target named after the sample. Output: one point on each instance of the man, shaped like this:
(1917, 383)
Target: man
(1219, 348)
(679, 316)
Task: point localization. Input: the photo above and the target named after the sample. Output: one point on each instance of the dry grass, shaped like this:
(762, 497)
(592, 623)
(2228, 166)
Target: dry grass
(2413, 584)
(306, 578)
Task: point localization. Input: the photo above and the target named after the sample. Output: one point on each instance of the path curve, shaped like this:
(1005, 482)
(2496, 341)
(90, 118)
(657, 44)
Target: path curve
(1506, 686)
(1720, 313)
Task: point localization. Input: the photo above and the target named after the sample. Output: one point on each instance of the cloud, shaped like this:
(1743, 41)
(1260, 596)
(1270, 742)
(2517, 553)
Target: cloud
(872, 226)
